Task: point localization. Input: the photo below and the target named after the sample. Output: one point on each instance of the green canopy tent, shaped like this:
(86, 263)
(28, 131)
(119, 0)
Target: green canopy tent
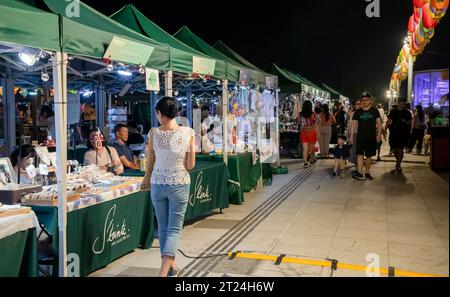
(287, 83)
(226, 50)
(188, 37)
(132, 18)
(27, 25)
(91, 32)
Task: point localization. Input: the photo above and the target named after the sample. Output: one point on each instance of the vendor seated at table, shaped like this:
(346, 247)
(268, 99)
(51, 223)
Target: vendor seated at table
(126, 156)
(100, 154)
(22, 157)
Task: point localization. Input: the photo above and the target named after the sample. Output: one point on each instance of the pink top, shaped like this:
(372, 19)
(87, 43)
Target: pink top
(308, 122)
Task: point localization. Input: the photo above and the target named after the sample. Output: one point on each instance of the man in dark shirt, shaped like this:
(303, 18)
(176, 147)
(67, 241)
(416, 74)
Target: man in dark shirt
(125, 154)
(134, 137)
(399, 123)
(368, 132)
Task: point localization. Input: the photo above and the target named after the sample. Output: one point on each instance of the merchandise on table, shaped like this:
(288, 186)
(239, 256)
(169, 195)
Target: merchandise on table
(87, 186)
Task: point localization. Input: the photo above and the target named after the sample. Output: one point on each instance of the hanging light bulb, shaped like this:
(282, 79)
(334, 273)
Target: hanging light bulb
(219, 82)
(29, 56)
(175, 93)
(124, 72)
(110, 67)
(141, 69)
(44, 76)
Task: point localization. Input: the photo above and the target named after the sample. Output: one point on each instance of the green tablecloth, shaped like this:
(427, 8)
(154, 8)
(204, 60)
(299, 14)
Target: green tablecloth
(209, 188)
(241, 170)
(103, 232)
(18, 254)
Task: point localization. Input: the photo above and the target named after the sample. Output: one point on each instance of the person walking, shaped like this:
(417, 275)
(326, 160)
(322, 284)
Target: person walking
(399, 123)
(367, 124)
(352, 158)
(309, 132)
(418, 130)
(171, 154)
(341, 154)
(341, 121)
(326, 121)
(383, 129)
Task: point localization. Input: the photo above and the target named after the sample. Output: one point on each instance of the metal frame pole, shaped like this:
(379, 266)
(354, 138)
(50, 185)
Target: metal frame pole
(153, 100)
(100, 104)
(189, 105)
(258, 141)
(225, 119)
(168, 81)
(59, 62)
(9, 112)
(277, 121)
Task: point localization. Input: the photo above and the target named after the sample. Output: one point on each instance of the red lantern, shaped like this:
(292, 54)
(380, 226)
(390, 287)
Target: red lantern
(427, 18)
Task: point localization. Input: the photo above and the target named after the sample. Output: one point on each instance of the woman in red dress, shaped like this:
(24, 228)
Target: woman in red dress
(309, 132)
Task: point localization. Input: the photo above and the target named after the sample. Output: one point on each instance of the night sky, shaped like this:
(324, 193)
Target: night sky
(331, 41)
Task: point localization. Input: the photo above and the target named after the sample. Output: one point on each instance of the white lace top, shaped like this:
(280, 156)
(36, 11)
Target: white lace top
(170, 155)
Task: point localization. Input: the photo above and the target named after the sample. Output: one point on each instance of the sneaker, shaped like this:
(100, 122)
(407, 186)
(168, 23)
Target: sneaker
(306, 165)
(334, 173)
(358, 176)
(368, 176)
(173, 272)
(398, 168)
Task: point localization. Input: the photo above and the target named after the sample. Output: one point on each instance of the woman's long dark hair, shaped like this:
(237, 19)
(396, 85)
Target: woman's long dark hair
(307, 109)
(420, 113)
(22, 151)
(326, 111)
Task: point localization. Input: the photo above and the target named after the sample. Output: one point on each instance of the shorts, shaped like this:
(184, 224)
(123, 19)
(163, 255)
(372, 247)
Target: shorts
(308, 136)
(366, 147)
(399, 140)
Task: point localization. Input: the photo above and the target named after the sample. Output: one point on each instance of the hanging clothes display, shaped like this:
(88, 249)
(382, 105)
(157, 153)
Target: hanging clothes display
(269, 104)
(297, 107)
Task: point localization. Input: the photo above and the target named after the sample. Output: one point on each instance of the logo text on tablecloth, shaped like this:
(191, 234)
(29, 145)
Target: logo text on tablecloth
(112, 234)
(201, 192)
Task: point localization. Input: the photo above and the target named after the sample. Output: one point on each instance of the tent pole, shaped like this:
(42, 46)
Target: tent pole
(153, 100)
(100, 104)
(189, 105)
(10, 111)
(225, 119)
(60, 86)
(277, 122)
(258, 141)
(168, 80)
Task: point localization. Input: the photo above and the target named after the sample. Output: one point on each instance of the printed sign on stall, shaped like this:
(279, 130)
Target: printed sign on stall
(203, 65)
(128, 51)
(151, 79)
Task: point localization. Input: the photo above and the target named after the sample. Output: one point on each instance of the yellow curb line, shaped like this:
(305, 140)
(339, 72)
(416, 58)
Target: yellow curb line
(398, 272)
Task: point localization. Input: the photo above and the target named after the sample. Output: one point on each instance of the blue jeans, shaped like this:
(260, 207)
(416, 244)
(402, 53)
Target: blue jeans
(170, 203)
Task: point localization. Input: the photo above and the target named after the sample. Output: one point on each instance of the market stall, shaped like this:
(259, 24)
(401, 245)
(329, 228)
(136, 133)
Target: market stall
(107, 217)
(18, 247)
(244, 169)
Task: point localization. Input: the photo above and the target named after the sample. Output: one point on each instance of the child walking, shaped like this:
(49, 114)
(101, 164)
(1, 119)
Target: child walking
(341, 153)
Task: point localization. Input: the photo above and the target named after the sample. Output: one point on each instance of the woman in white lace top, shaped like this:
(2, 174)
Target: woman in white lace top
(171, 154)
